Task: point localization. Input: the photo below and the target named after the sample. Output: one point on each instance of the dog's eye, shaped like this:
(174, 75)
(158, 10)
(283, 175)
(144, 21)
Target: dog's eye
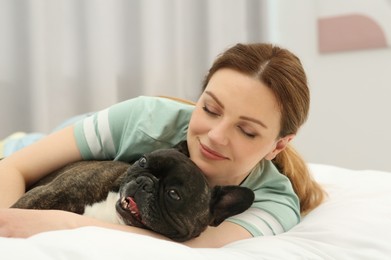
(173, 194)
(142, 162)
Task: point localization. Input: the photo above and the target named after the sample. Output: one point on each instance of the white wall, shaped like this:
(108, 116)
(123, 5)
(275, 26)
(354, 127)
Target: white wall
(349, 124)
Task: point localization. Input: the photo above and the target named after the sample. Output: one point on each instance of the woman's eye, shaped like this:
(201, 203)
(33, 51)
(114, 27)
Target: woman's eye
(209, 111)
(142, 162)
(173, 194)
(248, 134)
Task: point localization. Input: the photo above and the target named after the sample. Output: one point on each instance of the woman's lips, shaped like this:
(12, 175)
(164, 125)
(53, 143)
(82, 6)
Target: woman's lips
(211, 154)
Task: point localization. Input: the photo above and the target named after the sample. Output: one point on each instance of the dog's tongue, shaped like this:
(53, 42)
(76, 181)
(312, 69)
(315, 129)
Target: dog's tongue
(132, 206)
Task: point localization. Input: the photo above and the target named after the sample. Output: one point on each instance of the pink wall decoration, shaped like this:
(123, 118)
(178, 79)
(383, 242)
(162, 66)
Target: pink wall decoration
(349, 32)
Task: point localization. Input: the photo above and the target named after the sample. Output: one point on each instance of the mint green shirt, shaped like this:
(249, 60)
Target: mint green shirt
(129, 129)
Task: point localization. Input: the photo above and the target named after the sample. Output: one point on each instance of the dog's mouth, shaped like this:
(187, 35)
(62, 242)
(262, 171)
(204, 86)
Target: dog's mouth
(128, 203)
(128, 207)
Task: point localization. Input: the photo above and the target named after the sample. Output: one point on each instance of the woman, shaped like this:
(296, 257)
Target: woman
(254, 101)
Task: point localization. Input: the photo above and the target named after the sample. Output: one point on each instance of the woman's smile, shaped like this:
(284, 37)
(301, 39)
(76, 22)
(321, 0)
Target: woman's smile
(211, 154)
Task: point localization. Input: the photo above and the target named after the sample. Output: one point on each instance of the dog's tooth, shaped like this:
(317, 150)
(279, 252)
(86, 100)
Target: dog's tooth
(124, 203)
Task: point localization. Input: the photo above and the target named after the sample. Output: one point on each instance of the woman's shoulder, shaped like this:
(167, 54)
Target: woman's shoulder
(275, 202)
(265, 174)
(143, 123)
(149, 105)
(161, 100)
(268, 182)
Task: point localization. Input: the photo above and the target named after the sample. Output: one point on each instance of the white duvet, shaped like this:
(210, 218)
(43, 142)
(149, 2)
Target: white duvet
(353, 223)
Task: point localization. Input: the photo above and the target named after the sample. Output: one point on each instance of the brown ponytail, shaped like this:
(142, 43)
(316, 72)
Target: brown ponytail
(290, 163)
(282, 72)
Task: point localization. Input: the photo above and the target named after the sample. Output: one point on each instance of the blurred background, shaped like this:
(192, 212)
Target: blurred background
(59, 58)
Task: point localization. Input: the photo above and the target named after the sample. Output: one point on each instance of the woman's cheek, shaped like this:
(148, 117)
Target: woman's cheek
(197, 122)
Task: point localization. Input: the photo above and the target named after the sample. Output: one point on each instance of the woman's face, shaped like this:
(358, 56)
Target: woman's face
(235, 124)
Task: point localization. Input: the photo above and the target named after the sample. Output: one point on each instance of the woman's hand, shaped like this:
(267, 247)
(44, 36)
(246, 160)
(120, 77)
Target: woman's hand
(24, 223)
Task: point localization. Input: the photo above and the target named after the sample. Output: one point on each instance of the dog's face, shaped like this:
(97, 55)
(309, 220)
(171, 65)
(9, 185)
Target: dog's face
(166, 192)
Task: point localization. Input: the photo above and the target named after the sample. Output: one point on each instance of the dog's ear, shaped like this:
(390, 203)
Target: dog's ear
(228, 201)
(182, 147)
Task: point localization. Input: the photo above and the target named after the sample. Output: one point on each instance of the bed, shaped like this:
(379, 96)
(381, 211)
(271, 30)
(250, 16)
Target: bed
(353, 223)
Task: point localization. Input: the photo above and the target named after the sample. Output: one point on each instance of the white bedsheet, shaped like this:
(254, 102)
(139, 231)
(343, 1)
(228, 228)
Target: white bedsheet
(353, 223)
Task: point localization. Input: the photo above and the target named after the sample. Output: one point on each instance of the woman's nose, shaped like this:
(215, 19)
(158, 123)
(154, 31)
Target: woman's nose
(219, 134)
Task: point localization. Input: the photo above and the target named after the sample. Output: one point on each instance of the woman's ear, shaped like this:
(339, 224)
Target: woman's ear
(279, 146)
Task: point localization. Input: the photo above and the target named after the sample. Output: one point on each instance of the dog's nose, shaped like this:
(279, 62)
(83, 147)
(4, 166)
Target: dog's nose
(145, 183)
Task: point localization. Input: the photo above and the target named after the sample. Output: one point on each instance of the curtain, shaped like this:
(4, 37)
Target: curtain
(59, 58)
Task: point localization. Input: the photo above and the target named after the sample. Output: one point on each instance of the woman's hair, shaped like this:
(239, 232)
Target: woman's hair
(282, 72)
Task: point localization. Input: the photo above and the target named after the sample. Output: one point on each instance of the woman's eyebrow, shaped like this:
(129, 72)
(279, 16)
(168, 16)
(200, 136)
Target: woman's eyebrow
(242, 117)
(254, 121)
(215, 98)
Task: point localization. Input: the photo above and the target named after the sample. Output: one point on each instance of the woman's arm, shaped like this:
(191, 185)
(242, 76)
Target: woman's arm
(225, 233)
(31, 163)
(25, 223)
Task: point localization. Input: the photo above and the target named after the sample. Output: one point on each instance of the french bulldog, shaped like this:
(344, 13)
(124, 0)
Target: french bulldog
(163, 191)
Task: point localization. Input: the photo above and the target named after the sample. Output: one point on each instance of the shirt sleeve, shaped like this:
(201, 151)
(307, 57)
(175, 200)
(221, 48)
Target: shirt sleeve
(276, 207)
(129, 129)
